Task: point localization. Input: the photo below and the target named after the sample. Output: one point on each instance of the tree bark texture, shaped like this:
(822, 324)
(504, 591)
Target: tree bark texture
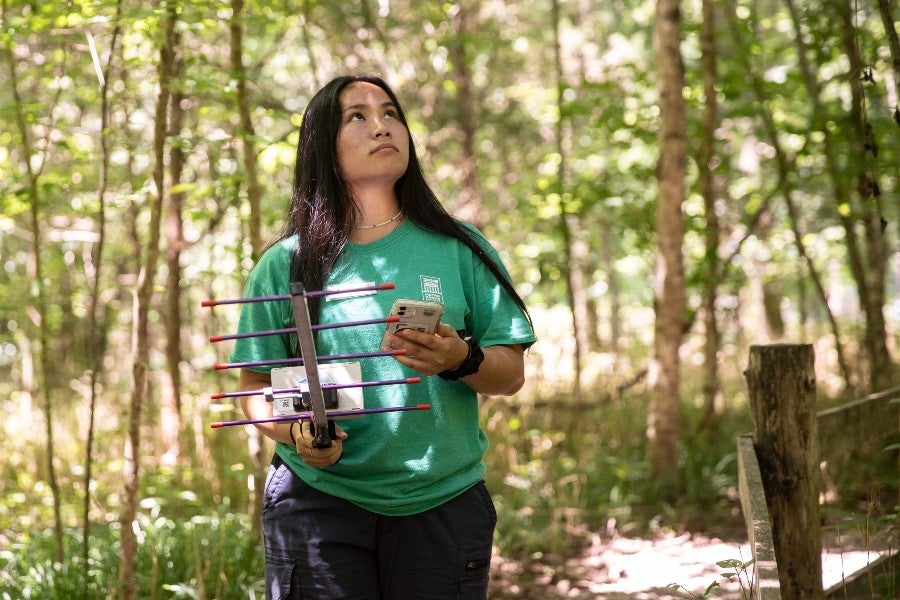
(863, 150)
(785, 170)
(143, 296)
(613, 289)
(93, 270)
(246, 132)
(782, 386)
(668, 285)
(170, 417)
(308, 45)
(256, 443)
(575, 250)
(887, 19)
(706, 165)
(470, 207)
(43, 386)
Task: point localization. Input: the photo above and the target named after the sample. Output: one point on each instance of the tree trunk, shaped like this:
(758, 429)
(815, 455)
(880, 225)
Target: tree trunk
(170, 417)
(43, 366)
(781, 383)
(574, 249)
(143, 295)
(470, 207)
(246, 132)
(613, 289)
(668, 286)
(784, 171)
(308, 43)
(707, 172)
(802, 305)
(36, 275)
(383, 58)
(256, 442)
(772, 293)
(887, 19)
(868, 270)
(862, 150)
(93, 271)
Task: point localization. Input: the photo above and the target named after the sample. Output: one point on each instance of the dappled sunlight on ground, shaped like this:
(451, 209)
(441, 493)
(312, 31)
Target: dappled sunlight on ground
(637, 566)
(642, 569)
(627, 568)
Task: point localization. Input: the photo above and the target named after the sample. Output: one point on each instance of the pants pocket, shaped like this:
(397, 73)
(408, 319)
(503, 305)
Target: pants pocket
(485, 496)
(476, 558)
(282, 578)
(473, 584)
(274, 478)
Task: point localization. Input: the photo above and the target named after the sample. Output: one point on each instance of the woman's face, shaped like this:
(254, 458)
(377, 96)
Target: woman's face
(373, 143)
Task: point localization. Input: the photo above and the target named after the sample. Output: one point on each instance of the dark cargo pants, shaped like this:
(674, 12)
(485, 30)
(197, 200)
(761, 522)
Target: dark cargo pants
(325, 548)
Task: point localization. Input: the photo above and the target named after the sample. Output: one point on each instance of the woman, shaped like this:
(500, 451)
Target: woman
(396, 508)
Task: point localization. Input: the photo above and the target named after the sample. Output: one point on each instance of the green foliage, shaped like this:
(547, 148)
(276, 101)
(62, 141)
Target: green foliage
(560, 472)
(737, 570)
(179, 556)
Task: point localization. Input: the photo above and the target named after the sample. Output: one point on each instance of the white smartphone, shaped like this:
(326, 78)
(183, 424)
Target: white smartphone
(414, 314)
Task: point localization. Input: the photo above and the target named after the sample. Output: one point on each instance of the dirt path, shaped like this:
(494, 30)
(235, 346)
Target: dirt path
(641, 569)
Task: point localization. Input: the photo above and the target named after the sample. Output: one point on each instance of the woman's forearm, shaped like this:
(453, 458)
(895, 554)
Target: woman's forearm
(502, 373)
(256, 407)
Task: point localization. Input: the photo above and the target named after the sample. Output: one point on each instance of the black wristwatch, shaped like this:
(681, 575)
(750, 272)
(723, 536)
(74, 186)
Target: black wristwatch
(469, 366)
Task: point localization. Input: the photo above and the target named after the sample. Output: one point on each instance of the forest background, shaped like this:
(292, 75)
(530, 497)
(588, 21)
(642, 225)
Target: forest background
(669, 183)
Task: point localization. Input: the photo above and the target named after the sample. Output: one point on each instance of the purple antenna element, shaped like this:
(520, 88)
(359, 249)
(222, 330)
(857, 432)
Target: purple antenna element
(308, 416)
(299, 361)
(366, 288)
(290, 330)
(330, 386)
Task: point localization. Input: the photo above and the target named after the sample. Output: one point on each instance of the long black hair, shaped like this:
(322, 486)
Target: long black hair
(322, 210)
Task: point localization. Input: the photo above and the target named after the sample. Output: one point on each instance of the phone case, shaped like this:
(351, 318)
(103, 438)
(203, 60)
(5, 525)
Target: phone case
(414, 314)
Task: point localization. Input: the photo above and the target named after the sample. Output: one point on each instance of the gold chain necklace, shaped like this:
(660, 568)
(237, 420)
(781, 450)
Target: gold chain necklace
(383, 223)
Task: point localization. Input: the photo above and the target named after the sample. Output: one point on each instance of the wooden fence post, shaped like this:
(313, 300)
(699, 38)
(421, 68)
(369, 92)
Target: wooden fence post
(782, 385)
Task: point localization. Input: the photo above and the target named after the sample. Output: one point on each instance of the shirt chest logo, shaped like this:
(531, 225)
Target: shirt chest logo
(431, 289)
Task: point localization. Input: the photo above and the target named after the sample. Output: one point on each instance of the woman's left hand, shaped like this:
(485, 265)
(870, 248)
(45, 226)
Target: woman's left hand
(430, 353)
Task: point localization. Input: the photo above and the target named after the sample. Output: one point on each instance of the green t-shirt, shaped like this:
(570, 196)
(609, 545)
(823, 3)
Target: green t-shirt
(397, 463)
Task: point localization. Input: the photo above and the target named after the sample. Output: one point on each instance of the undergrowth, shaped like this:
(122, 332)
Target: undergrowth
(561, 473)
(199, 556)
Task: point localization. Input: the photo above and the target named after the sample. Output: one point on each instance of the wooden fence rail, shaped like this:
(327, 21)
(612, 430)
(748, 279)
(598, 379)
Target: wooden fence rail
(759, 530)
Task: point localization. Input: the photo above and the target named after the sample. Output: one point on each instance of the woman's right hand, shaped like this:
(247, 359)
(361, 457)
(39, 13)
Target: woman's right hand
(317, 457)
